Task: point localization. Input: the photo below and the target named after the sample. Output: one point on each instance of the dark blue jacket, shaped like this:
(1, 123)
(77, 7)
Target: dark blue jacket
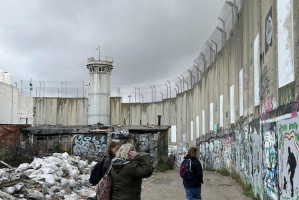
(197, 176)
(107, 163)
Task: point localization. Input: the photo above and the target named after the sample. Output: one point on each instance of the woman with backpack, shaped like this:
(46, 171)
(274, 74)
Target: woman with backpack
(101, 168)
(111, 150)
(192, 183)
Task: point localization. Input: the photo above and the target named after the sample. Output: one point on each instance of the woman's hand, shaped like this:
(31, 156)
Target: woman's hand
(133, 154)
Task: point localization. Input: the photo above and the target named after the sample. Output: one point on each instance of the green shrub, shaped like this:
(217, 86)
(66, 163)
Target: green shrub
(237, 177)
(170, 164)
(162, 166)
(210, 169)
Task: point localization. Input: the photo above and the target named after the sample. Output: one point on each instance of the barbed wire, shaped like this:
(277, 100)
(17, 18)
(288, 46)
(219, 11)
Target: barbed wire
(151, 93)
(186, 80)
(62, 89)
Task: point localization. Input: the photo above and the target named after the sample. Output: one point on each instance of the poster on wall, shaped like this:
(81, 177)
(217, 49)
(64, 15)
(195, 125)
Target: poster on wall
(197, 126)
(241, 91)
(173, 133)
(191, 130)
(203, 122)
(256, 70)
(232, 105)
(285, 42)
(221, 111)
(211, 117)
(268, 31)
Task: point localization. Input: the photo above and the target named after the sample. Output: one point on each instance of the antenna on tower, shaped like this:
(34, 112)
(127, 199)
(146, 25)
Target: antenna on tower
(99, 52)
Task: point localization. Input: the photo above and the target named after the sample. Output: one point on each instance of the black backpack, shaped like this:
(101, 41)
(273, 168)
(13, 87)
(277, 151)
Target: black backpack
(97, 172)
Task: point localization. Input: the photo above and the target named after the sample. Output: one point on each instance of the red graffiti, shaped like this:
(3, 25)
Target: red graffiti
(268, 106)
(294, 113)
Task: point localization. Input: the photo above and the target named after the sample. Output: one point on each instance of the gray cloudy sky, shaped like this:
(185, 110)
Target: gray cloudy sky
(151, 40)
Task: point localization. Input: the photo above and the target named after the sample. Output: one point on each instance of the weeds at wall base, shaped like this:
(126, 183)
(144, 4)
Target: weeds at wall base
(247, 191)
(210, 169)
(247, 188)
(223, 172)
(164, 166)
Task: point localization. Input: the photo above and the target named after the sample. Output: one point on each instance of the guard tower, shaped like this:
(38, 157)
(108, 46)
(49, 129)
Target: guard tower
(99, 90)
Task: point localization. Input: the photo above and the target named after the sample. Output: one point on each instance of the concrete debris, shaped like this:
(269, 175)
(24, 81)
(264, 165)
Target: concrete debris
(59, 176)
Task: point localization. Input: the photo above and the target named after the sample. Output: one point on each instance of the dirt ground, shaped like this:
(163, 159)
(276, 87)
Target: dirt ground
(169, 185)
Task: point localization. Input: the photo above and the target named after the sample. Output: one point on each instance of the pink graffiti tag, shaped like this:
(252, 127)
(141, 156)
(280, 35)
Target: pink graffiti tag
(268, 106)
(294, 113)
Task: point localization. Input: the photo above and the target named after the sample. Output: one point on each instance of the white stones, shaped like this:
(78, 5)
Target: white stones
(22, 167)
(59, 175)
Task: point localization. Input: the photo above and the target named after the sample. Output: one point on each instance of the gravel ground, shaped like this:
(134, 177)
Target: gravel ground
(169, 185)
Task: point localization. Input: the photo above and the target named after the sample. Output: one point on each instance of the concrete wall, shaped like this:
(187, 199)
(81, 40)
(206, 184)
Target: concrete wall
(65, 111)
(243, 114)
(14, 108)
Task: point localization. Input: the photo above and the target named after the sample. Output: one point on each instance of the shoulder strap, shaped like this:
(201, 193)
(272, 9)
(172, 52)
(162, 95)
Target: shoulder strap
(108, 171)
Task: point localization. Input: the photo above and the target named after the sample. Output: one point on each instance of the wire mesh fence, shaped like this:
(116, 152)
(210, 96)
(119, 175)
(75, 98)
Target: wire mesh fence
(189, 78)
(152, 93)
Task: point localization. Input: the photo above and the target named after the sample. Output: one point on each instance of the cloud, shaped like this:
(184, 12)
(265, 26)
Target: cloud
(151, 40)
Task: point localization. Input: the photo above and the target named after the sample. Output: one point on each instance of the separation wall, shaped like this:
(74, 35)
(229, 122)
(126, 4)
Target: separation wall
(64, 111)
(243, 113)
(14, 108)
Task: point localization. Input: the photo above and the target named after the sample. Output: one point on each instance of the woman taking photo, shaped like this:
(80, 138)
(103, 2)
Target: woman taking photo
(193, 185)
(128, 170)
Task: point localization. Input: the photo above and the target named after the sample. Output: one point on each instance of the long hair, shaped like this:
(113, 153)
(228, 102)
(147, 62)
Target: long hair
(192, 152)
(124, 150)
(111, 146)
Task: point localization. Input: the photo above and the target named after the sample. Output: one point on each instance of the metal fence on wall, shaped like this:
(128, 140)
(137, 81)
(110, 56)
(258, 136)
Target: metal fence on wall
(187, 79)
(62, 89)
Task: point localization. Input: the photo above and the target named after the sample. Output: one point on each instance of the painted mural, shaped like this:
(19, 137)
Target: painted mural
(265, 155)
(89, 145)
(288, 144)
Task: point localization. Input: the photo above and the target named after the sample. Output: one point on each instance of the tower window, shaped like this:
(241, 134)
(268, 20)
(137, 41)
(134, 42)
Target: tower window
(90, 69)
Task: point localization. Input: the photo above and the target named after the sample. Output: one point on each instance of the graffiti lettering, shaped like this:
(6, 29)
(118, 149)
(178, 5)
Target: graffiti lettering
(267, 107)
(89, 145)
(294, 113)
(265, 81)
(287, 95)
(293, 126)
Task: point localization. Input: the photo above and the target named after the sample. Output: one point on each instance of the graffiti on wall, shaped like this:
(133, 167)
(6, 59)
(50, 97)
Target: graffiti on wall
(146, 142)
(89, 145)
(256, 162)
(265, 81)
(288, 158)
(267, 106)
(268, 31)
(270, 168)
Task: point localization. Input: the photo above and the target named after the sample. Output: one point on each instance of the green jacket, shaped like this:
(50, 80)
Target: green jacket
(127, 178)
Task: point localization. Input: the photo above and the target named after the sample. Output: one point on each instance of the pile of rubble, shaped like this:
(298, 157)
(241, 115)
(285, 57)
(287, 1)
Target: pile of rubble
(55, 177)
